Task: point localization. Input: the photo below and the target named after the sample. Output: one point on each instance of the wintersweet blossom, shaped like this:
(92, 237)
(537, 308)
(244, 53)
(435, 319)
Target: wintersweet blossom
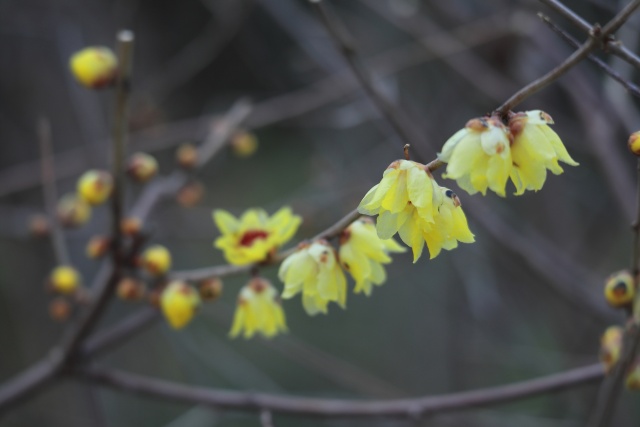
(479, 156)
(408, 201)
(487, 153)
(362, 253)
(536, 148)
(179, 302)
(255, 236)
(258, 311)
(314, 270)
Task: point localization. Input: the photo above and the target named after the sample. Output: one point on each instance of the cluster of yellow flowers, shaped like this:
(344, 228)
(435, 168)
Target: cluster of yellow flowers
(487, 153)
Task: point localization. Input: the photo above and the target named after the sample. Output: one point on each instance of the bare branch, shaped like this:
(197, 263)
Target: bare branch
(316, 407)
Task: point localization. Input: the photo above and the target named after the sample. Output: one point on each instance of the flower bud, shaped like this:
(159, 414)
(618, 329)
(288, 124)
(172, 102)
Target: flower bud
(244, 143)
(619, 289)
(190, 194)
(210, 289)
(64, 279)
(633, 376)
(95, 186)
(97, 247)
(60, 309)
(187, 156)
(179, 302)
(610, 346)
(130, 226)
(156, 260)
(130, 289)
(634, 143)
(94, 67)
(72, 211)
(39, 225)
(142, 167)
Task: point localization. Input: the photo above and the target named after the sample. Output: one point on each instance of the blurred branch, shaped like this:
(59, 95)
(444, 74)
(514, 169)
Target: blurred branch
(629, 86)
(344, 42)
(50, 192)
(411, 408)
(614, 46)
(597, 37)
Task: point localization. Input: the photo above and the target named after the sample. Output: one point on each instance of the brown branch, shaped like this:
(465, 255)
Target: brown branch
(613, 46)
(630, 87)
(405, 129)
(612, 386)
(50, 193)
(317, 407)
(596, 38)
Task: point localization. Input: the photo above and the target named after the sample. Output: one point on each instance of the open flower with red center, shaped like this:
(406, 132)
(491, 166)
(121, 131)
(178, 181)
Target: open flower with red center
(258, 311)
(255, 235)
(314, 270)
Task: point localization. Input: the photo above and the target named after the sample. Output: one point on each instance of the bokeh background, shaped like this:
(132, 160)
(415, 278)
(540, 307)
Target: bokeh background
(525, 300)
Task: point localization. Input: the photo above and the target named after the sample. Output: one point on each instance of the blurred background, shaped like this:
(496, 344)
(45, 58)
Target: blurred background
(525, 300)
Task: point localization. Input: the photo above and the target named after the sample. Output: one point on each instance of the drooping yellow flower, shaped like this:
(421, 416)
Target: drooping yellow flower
(479, 157)
(258, 311)
(65, 279)
(255, 236)
(179, 302)
(486, 153)
(95, 186)
(314, 270)
(362, 253)
(156, 260)
(94, 67)
(610, 346)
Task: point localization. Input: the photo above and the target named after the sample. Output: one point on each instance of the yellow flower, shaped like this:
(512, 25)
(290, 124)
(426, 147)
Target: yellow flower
(479, 157)
(255, 236)
(72, 211)
(258, 310)
(95, 186)
(486, 153)
(94, 67)
(610, 346)
(65, 279)
(179, 302)
(362, 254)
(142, 167)
(408, 201)
(156, 260)
(535, 149)
(314, 270)
(619, 289)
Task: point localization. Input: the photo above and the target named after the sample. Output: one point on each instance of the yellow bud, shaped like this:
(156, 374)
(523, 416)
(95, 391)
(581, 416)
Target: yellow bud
(187, 156)
(156, 260)
(619, 289)
(633, 376)
(634, 143)
(64, 279)
(244, 143)
(94, 67)
(39, 225)
(190, 195)
(179, 302)
(210, 289)
(97, 247)
(130, 226)
(130, 289)
(60, 309)
(72, 211)
(142, 167)
(95, 186)
(610, 346)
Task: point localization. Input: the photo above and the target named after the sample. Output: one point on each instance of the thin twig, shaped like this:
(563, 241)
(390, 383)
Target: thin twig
(630, 87)
(266, 420)
(596, 38)
(317, 407)
(614, 46)
(50, 192)
(612, 386)
(346, 46)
